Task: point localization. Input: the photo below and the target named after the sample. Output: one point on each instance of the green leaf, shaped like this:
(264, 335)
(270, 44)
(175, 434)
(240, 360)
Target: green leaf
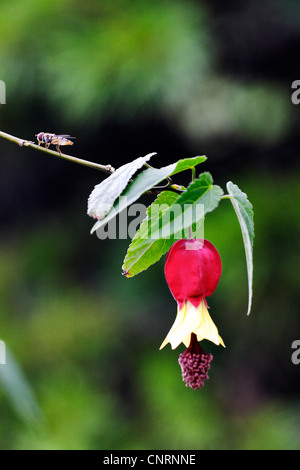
(244, 211)
(144, 252)
(202, 191)
(103, 196)
(178, 213)
(146, 180)
(188, 164)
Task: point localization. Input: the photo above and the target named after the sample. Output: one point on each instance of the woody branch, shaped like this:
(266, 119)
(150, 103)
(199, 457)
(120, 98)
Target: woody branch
(29, 143)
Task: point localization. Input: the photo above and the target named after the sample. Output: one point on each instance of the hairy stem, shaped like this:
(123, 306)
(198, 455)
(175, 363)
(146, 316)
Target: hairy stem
(29, 143)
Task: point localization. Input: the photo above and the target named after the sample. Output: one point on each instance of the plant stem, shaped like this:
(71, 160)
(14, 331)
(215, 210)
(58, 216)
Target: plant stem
(29, 143)
(193, 173)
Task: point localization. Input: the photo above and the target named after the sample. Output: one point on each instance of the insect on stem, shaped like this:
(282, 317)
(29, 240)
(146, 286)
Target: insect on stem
(28, 143)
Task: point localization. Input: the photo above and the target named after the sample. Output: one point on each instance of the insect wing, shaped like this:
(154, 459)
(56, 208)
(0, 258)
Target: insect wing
(61, 140)
(65, 136)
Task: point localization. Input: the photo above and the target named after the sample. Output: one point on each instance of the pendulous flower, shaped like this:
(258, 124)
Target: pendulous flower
(193, 270)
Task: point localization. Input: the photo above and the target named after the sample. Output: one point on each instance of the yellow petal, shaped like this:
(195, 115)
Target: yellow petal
(189, 320)
(164, 343)
(186, 321)
(187, 341)
(206, 328)
(178, 320)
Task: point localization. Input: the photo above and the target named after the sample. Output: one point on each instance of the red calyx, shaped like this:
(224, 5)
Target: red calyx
(193, 270)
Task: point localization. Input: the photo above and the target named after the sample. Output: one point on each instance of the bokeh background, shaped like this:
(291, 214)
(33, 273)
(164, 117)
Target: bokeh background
(180, 78)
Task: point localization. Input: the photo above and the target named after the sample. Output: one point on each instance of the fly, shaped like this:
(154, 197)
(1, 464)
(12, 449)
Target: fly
(54, 139)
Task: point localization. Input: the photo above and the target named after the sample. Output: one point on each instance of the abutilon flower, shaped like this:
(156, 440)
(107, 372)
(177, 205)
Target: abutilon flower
(193, 270)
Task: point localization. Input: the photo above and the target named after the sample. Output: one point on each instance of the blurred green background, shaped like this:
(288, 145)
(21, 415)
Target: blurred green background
(180, 78)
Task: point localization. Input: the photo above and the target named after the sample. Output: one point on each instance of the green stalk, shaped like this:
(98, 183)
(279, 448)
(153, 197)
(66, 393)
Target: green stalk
(70, 158)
